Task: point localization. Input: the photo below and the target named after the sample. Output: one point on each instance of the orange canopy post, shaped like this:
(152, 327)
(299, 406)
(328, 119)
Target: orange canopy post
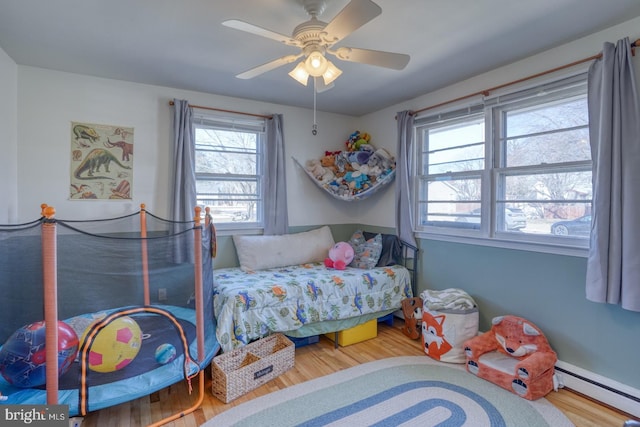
(49, 275)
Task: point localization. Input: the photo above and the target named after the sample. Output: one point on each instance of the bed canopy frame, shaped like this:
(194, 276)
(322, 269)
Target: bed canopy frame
(165, 250)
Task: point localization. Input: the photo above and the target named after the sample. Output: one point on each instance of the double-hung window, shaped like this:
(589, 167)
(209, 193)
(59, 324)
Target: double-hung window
(229, 160)
(514, 168)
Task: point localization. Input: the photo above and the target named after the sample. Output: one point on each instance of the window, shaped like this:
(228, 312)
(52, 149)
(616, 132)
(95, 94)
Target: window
(515, 168)
(229, 170)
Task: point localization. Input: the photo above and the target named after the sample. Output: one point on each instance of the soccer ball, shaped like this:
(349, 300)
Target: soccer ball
(115, 346)
(22, 357)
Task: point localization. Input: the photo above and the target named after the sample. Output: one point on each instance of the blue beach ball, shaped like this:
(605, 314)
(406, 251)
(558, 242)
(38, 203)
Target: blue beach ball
(165, 353)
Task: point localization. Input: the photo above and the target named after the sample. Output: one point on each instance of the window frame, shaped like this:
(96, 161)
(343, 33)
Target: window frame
(495, 171)
(229, 123)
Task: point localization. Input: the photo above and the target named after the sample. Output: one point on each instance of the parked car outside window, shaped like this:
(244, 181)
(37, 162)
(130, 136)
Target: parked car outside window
(515, 218)
(575, 227)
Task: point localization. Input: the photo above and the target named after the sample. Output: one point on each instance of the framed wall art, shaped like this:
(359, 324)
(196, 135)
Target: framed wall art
(101, 162)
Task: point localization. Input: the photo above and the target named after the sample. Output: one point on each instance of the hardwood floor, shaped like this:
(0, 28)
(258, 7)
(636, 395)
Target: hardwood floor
(313, 361)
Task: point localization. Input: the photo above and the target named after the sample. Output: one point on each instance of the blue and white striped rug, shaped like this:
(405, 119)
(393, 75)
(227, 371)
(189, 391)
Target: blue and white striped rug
(400, 391)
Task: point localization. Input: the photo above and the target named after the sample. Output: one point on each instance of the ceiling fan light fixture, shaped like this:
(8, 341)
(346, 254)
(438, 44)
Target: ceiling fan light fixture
(300, 73)
(316, 63)
(332, 72)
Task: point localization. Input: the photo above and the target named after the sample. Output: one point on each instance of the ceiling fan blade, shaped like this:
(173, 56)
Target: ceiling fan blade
(259, 31)
(254, 72)
(353, 16)
(396, 61)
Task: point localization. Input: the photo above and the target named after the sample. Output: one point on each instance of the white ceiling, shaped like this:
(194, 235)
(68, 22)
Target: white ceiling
(182, 44)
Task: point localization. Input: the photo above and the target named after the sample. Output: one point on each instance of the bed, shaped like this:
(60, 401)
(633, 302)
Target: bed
(283, 285)
(90, 274)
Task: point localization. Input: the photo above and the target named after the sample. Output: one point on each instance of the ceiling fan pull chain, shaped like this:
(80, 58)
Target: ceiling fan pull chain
(314, 129)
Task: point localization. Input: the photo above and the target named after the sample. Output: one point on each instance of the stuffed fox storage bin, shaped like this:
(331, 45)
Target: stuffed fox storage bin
(449, 318)
(239, 371)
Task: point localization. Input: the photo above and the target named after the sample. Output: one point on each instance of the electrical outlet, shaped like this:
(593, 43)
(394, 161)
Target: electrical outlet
(162, 294)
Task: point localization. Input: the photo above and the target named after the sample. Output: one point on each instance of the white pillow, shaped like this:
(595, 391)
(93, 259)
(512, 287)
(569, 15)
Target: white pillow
(261, 252)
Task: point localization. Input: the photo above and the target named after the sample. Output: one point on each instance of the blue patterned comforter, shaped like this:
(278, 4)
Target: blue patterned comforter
(250, 305)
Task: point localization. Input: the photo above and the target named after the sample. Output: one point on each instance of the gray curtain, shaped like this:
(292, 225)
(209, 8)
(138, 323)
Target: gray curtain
(183, 197)
(613, 266)
(275, 204)
(404, 188)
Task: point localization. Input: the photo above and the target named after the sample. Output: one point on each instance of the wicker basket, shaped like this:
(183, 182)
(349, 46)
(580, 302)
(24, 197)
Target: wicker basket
(239, 371)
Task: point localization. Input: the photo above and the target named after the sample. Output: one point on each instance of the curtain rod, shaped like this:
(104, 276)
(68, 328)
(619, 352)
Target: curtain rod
(227, 111)
(486, 92)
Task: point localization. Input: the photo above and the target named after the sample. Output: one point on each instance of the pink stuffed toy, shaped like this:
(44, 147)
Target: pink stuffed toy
(340, 255)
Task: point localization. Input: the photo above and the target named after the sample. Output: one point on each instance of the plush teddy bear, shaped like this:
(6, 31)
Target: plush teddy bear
(315, 168)
(515, 355)
(320, 173)
(329, 161)
(340, 255)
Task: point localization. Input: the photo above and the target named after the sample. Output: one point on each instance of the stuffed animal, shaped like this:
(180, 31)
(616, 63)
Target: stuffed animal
(361, 141)
(321, 173)
(350, 143)
(340, 255)
(329, 161)
(359, 157)
(356, 180)
(412, 312)
(515, 355)
(357, 140)
(315, 168)
(364, 169)
(386, 160)
(342, 163)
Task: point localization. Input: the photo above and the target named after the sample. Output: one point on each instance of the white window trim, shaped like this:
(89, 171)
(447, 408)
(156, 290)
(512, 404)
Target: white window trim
(496, 242)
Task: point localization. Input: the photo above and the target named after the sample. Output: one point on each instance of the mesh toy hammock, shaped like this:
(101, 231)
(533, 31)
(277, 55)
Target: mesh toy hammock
(157, 272)
(330, 189)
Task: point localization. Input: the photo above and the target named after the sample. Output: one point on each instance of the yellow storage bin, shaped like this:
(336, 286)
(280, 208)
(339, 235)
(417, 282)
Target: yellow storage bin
(359, 333)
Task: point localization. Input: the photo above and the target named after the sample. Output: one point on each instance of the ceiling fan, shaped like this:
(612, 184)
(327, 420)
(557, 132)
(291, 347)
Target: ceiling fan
(316, 38)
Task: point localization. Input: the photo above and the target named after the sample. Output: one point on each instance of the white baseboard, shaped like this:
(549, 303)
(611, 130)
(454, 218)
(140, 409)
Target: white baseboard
(603, 389)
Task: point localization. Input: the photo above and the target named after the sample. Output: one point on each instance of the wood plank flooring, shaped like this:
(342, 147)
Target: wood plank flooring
(313, 361)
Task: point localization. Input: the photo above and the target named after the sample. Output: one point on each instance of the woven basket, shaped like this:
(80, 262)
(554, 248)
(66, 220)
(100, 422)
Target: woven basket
(239, 371)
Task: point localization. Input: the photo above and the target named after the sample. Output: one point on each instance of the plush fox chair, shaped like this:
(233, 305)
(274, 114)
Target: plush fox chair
(515, 355)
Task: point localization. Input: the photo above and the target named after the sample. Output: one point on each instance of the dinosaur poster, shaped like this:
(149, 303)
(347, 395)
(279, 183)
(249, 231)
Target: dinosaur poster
(101, 162)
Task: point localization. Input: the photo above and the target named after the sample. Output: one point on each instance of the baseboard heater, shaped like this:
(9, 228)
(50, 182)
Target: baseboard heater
(602, 389)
